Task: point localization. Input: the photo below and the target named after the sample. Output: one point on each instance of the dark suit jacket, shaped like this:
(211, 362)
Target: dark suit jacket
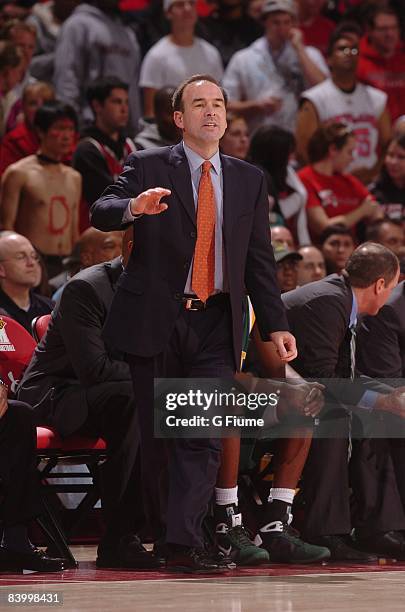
(319, 317)
(72, 356)
(148, 298)
(381, 339)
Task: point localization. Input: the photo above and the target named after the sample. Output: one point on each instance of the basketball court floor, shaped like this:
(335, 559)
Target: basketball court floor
(274, 587)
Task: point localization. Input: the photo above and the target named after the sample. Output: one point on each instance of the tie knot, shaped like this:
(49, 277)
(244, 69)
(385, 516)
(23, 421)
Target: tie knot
(206, 166)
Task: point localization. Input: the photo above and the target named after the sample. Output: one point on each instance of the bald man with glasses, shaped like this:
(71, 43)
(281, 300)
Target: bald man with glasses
(20, 273)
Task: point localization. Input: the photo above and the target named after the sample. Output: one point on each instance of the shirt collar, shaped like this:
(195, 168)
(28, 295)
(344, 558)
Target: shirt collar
(354, 312)
(195, 160)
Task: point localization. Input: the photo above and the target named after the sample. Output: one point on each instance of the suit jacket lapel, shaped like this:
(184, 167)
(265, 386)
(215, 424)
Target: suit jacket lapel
(181, 180)
(232, 205)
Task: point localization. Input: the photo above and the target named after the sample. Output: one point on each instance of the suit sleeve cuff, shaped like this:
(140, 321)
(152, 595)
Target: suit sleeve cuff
(368, 400)
(128, 217)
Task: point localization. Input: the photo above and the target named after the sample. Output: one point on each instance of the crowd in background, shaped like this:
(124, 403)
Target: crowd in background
(315, 99)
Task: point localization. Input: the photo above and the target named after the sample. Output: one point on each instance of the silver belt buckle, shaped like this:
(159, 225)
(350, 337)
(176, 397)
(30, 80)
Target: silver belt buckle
(188, 304)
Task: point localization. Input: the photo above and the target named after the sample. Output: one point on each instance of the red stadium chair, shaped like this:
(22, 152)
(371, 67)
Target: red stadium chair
(39, 326)
(16, 349)
(75, 450)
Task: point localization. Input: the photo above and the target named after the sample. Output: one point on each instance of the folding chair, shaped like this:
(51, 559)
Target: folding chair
(16, 349)
(75, 450)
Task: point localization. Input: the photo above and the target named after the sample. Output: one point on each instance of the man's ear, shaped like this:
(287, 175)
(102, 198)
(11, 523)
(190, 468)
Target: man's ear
(178, 119)
(2, 271)
(379, 285)
(85, 259)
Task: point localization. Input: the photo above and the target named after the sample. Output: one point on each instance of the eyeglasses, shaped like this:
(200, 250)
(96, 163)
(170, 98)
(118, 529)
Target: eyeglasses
(347, 50)
(23, 257)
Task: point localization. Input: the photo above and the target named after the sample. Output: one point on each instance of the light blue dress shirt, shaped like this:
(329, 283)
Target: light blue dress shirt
(369, 398)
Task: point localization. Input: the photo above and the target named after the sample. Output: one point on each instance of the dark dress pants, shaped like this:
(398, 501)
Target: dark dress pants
(19, 500)
(112, 415)
(325, 480)
(177, 500)
(377, 503)
(329, 476)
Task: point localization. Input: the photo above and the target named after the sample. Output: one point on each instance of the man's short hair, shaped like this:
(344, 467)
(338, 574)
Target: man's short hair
(177, 100)
(340, 33)
(100, 89)
(53, 111)
(336, 228)
(373, 229)
(369, 262)
(10, 55)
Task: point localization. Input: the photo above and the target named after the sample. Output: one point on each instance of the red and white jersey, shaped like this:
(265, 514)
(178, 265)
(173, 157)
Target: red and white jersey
(360, 110)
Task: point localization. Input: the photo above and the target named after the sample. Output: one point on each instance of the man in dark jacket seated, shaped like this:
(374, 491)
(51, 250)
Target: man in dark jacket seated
(77, 384)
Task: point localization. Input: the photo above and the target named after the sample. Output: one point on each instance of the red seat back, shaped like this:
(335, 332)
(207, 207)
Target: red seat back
(16, 349)
(39, 326)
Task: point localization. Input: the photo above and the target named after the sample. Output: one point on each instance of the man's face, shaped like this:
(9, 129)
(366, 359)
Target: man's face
(278, 28)
(395, 163)
(114, 111)
(282, 235)
(182, 12)
(337, 250)
(19, 262)
(203, 118)
(312, 267)
(385, 35)
(103, 248)
(392, 236)
(26, 42)
(32, 100)
(379, 293)
(58, 140)
(167, 128)
(344, 57)
(235, 141)
(287, 274)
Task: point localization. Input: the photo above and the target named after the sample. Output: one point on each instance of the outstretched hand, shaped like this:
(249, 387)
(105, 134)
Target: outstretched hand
(148, 202)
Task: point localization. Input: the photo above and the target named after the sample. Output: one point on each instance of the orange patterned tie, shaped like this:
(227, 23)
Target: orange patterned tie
(202, 282)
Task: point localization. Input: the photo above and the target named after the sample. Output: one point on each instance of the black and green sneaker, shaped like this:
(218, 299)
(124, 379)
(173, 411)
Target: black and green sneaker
(233, 540)
(284, 545)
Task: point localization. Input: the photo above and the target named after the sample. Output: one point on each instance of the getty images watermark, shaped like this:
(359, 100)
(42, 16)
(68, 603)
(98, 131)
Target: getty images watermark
(215, 402)
(212, 408)
(269, 408)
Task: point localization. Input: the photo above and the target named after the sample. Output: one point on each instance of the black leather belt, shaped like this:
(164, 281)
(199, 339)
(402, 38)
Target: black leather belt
(193, 303)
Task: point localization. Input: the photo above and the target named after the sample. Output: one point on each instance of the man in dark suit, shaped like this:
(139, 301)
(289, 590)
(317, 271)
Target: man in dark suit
(381, 354)
(323, 316)
(19, 499)
(77, 383)
(179, 304)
